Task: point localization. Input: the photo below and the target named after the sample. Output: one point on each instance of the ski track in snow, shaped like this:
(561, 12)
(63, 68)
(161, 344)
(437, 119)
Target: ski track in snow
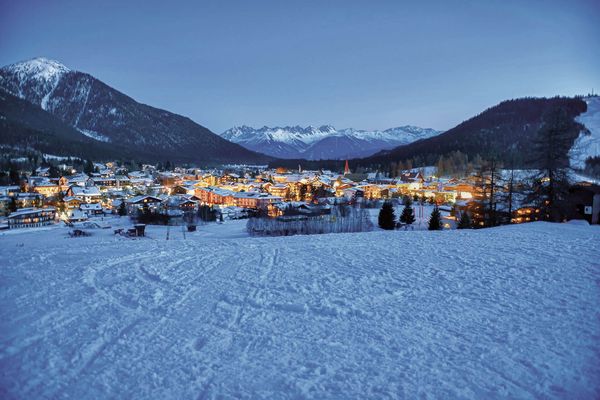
(511, 312)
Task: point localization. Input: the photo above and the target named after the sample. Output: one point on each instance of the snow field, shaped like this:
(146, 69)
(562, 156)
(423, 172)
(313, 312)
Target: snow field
(505, 312)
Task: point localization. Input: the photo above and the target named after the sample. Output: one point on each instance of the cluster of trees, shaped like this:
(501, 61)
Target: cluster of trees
(592, 167)
(457, 164)
(387, 216)
(343, 218)
(206, 213)
(512, 124)
(150, 217)
(12, 173)
(545, 190)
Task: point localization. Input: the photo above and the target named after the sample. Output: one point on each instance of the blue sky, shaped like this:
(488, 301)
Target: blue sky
(362, 64)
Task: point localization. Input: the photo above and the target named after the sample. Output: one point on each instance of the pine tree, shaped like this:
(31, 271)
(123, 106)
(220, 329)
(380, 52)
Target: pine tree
(88, 167)
(14, 176)
(12, 205)
(387, 218)
(408, 214)
(122, 210)
(435, 221)
(550, 155)
(465, 221)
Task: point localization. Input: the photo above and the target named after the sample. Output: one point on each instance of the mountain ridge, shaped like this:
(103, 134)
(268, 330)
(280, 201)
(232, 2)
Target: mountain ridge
(323, 142)
(505, 132)
(107, 115)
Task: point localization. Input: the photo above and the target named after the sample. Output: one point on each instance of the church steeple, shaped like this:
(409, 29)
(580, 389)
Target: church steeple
(346, 168)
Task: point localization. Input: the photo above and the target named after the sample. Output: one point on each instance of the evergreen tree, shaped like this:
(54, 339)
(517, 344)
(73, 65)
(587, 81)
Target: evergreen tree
(387, 218)
(53, 172)
(408, 214)
(465, 221)
(550, 154)
(12, 205)
(88, 167)
(122, 210)
(14, 176)
(435, 221)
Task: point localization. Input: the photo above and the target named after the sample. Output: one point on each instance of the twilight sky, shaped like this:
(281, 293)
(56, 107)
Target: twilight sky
(362, 64)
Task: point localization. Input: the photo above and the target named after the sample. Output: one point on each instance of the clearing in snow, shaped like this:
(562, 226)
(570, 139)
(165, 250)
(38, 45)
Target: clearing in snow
(510, 312)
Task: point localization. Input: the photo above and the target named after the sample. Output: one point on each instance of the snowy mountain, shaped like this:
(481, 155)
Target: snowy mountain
(506, 130)
(25, 126)
(588, 143)
(106, 115)
(324, 142)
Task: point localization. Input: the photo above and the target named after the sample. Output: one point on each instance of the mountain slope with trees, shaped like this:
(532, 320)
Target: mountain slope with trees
(106, 115)
(25, 127)
(506, 132)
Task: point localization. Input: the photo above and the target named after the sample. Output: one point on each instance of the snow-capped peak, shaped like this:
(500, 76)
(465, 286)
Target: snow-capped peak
(324, 141)
(34, 79)
(41, 68)
(286, 134)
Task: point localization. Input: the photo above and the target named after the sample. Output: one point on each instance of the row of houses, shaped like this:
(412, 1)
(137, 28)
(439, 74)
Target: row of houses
(259, 189)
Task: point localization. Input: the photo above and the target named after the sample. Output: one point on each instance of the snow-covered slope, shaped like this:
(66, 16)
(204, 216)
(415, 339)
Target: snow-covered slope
(508, 312)
(324, 142)
(104, 114)
(588, 143)
(34, 79)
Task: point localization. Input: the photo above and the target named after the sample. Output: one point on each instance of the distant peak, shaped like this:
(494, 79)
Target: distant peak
(39, 65)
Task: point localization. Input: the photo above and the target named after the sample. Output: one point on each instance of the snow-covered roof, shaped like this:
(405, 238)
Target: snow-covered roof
(140, 199)
(29, 210)
(85, 191)
(90, 206)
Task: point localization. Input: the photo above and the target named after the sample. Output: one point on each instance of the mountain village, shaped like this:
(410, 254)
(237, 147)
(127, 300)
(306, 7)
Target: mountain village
(183, 196)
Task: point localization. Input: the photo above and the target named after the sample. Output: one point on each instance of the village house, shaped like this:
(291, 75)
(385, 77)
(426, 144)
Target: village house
(79, 179)
(139, 202)
(46, 188)
(28, 200)
(278, 189)
(72, 202)
(75, 215)
(375, 192)
(180, 202)
(31, 217)
(584, 201)
(9, 190)
(254, 200)
(85, 194)
(42, 171)
(91, 209)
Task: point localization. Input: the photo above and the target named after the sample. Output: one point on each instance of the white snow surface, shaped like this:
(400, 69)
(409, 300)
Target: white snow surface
(510, 312)
(45, 72)
(588, 143)
(311, 134)
(94, 135)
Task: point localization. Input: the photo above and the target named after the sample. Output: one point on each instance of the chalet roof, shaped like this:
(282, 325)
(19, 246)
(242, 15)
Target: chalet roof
(178, 200)
(23, 195)
(29, 210)
(90, 206)
(78, 178)
(85, 191)
(256, 195)
(6, 189)
(140, 199)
